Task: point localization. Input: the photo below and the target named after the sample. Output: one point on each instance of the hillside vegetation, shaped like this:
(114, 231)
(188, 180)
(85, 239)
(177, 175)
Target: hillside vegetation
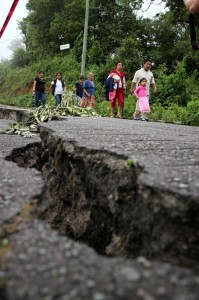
(115, 33)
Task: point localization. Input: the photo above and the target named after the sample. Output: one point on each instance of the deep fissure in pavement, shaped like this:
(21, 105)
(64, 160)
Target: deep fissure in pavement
(96, 197)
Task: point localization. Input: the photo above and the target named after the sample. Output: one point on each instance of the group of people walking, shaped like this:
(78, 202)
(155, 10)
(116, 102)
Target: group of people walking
(116, 82)
(39, 89)
(143, 80)
(84, 89)
(140, 86)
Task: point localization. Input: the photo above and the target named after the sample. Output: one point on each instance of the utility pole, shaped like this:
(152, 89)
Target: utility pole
(85, 39)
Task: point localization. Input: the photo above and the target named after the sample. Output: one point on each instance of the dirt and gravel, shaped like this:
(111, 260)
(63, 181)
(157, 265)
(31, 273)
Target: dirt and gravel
(127, 189)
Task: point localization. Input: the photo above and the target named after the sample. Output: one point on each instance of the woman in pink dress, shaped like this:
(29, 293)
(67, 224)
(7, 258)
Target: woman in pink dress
(141, 94)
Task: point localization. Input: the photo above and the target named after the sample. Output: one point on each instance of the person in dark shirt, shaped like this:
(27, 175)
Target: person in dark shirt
(39, 89)
(78, 88)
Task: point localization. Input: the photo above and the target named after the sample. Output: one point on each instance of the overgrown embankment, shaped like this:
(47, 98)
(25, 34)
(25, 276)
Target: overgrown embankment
(16, 83)
(169, 104)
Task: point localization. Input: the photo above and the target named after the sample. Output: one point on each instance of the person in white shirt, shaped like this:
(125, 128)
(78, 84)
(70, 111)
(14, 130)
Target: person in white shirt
(144, 72)
(57, 87)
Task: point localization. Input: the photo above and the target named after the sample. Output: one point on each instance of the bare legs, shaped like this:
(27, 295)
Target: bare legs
(119, 112)
(119, 115)
(112, 112)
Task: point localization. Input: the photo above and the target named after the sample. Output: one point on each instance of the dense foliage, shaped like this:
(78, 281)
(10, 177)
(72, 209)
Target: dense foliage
(116, 32)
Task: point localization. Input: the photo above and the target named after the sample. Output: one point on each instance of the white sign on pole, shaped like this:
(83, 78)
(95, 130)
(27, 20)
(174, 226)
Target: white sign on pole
(66, 46)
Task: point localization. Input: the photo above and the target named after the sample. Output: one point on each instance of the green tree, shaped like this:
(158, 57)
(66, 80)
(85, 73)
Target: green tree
(50, 24)
(19, 58)
(131, 56)
(164, 40)
(37, 25)
(110, 22)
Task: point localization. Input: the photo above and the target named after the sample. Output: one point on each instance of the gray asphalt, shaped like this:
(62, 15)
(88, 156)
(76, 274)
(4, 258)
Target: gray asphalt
(43, 265)
(17, 185)
(168, 153)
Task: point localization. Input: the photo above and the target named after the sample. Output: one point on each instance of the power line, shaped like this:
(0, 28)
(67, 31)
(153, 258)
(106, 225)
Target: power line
(9, 39)
(41, 23)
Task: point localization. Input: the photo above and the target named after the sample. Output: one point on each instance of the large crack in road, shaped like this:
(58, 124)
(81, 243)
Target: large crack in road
(95, 197)
(125, 189)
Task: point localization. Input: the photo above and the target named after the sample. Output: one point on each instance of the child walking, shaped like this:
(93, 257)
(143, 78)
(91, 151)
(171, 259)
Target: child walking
(78, 88)
(142, 104)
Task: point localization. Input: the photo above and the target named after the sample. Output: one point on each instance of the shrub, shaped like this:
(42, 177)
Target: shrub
(169, 116)
(103, 107)
(193, 113)
(177, 87)
(172, 114)
(156, 112)
(129, 106)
